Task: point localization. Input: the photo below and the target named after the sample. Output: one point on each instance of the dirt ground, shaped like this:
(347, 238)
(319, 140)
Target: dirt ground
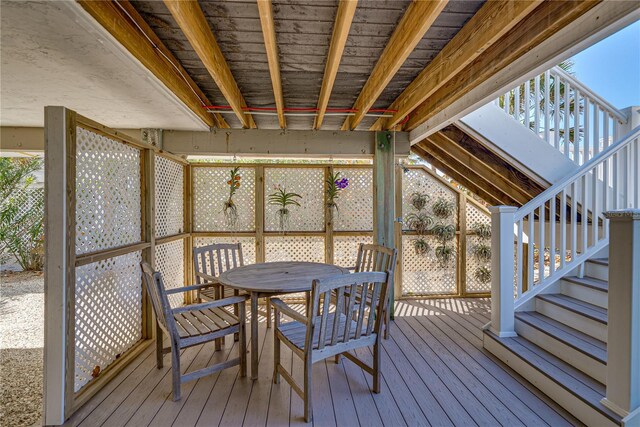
(21, 347)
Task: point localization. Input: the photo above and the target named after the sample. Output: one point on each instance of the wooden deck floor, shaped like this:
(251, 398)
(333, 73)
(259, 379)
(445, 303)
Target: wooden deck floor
(434, 368)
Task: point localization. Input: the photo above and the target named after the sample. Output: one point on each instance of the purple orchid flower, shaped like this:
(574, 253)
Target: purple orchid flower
(342, 183)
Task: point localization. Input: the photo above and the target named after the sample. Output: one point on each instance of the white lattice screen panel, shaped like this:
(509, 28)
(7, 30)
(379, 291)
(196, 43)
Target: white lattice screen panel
(108, 313)
(248, 245)
(170, 263)
(107, 193)
(211, 191)
(294, 248)
(345, 249)
(476, 216)
(473, 264)
(420, 181)
(307, 182)
(169, 177)
(355, 203)
(423, 274)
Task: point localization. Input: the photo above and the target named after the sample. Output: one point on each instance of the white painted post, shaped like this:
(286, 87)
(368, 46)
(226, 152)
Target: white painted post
(623, 338)
(502, 273)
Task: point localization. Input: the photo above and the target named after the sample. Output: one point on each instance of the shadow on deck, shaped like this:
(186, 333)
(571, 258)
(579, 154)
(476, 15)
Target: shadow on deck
(435, 372)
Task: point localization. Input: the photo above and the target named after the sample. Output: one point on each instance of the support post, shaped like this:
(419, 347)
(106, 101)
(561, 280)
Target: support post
(59, 283)
(148, 231)
(502, 264)
(384, 194)
(623, 339)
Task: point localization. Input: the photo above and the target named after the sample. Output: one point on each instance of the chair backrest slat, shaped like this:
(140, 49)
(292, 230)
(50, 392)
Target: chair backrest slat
(159, 301)
(217, 258)
(375, 258)
(368, 290)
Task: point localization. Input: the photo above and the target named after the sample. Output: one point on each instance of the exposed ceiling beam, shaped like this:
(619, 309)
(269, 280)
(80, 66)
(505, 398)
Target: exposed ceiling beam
(341, 27)
(265, 8)
(415, 22)
(541, 24)
(195, 27)
(126, 25)
(494, 19)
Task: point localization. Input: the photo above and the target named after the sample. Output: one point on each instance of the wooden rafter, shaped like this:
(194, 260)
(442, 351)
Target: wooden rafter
(195, 27)
(539, 25)
(494, 19)
(126, 25)
(415, 22)
(341, 27)
(265, 8)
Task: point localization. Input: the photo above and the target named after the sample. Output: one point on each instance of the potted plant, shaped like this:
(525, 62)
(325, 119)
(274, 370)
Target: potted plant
(230, 209)
(283, 199)
(335, 184)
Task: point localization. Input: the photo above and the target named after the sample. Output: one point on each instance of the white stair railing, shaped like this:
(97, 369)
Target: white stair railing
(561, 228)
(565, 113)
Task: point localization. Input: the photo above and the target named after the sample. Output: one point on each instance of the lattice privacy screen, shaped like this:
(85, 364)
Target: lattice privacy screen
(345, 249)
(355, 203)
(211, 191)
(248, 245)
(294, 248)
(420, 181)
(107, 193)
(424, 274)
(170, 263)
(169, 179)
(308, 183)
(474, 262)
(108, 313)
(108, 293)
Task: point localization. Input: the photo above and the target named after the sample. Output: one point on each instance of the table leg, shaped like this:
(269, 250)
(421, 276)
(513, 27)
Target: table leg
(254, 336)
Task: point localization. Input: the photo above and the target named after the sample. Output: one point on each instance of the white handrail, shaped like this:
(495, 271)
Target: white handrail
(564, 113)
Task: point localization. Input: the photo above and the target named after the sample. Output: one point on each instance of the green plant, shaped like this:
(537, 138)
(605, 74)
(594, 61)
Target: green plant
(419, 200)
(21, 213)
(421, 246)
(444, 232)
(420, 222)
(283, 199)
(482, 252)
(442, 208)
(481, 230)
(444, 253)
(335, 184)
(483, 274)
(230, 209)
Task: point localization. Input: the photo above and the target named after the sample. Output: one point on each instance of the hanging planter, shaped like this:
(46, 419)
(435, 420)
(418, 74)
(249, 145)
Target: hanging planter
(483, 275)
(420, 222)
(230, 209)
(283, 200)
(444, 254)
(335, 185)
(421, 246)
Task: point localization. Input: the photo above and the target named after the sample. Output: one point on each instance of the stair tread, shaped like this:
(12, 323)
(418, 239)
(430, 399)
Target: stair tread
(601, 261)
(574, 381)
(591, 311)
(590, 282)
(582, 342)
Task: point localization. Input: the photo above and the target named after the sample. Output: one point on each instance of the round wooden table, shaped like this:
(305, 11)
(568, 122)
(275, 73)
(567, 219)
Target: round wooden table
(274, 278)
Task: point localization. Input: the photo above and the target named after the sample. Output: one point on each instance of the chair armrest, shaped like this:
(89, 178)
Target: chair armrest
(207, 277)
(190, 288)
(240, 299)
(279, 305)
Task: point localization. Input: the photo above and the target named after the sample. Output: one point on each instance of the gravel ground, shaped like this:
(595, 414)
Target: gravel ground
(21, 343)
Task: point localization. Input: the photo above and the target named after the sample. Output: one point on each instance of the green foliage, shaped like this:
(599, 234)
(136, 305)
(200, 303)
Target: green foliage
(442, 208)
(482, 252)
(444, 254)
(283, 199)
(230, 209)
(420, 222)
(481, 230)
(21, 213)
(483, 275)
(421, 246)
(419, 200)
(444, 232)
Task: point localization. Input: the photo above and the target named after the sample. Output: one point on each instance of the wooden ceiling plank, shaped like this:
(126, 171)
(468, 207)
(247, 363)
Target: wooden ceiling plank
(494, 19)
(539, 25)
(195, 27)
(341, 27)
(126, 25)
(265, 9)
(413, 25)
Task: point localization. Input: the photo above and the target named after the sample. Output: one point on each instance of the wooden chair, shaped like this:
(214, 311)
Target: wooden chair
(324, 332)
(192, 325)
(212, 260)
(378, 258)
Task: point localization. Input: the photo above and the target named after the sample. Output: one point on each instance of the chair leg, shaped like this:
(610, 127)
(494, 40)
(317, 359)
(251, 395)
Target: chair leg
(376, 366)
(387, 323)
(337, 358)
(175, 371)
(159, 348)
(236, 311)
(308, 398)
(276, 358)
(242, 348)
(268, 312)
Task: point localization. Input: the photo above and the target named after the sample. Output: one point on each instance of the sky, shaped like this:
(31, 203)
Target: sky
(612, 67)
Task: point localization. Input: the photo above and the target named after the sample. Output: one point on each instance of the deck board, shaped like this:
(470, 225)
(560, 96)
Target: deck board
(434, 373)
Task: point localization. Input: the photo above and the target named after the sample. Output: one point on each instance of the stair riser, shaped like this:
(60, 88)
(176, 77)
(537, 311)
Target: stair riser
(594, 368)
(559, 394)
(597, 271)
(574, 320)
(584, 293)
